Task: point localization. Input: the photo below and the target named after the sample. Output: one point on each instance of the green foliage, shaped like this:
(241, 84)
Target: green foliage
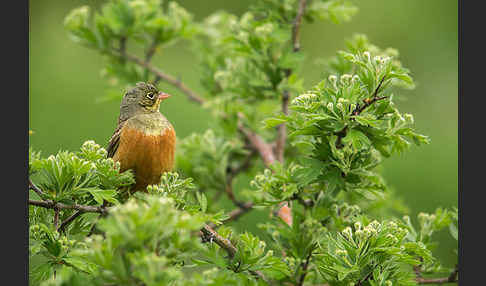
(147, 22)
(206, 158)
(80, 177)
(344, 126)
(373, 252)
(343, 230)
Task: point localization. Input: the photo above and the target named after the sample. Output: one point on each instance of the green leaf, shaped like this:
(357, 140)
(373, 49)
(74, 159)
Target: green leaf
(291, 60)
(357, 139)
(100, 195)
(272, 122)
(203, 202)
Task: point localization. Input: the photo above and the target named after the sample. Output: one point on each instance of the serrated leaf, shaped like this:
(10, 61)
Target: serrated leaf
(272, 122)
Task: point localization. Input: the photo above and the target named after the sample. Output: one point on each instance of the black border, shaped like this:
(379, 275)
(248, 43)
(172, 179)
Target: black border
(471, 98)
(15, 114)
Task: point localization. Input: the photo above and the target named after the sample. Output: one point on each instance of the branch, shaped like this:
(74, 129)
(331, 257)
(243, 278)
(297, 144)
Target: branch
(235, 214)
(262, 147)
(260, 275)
(357, 111)
(36, 189)
(304, 268)
(168, 78)
(451, 279)
(123, 47)
(208, 234)
(367, 102)
(56, 217)
(296, 25)
(151, 50)
(53, 205)
(282, 128)
(232, 173)
(66, 222)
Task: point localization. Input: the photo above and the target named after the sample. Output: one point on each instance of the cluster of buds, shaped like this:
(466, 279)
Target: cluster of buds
(363, 233)
(66, 243)
(342, 104)
(341, 252)
(77, 19)
(333, 80)
(346, 79)
(381, 60)
(91, 150)
(247, 20)
(265, 29)
(346, 211)
(305, 100)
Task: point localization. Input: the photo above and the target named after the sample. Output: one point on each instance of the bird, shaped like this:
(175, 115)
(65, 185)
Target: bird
(144, 140)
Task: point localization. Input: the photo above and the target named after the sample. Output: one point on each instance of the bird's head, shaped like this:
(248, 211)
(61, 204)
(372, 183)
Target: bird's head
(144, 96)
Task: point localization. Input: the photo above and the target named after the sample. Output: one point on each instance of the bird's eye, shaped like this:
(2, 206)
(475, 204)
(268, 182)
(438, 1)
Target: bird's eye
(150, 95)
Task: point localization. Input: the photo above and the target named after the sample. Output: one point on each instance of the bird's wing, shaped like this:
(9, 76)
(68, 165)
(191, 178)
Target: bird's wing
(114, 141)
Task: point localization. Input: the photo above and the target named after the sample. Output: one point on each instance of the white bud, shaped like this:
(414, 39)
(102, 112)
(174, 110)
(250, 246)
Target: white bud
(367, 54)
(330, 106)
(348, 232)
(345, 78)
(341, 252)
(264, 30)
(408, 117)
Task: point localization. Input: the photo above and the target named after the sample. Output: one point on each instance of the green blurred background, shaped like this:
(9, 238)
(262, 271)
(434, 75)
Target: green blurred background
(65, 84)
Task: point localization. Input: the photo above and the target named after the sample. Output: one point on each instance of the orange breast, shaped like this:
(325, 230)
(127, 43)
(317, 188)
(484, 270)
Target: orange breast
(148, 155)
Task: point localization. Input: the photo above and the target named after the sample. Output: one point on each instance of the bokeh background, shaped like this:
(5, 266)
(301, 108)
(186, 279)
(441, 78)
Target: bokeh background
(65, 84)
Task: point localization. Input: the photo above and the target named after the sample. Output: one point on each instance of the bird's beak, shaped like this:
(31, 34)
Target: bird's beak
(164, 95)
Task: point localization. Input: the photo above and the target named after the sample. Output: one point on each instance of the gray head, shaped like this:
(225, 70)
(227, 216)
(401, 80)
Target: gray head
(143, 98)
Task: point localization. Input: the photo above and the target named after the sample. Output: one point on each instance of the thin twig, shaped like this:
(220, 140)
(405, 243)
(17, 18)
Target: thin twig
(259, 275)
(66, 222)
(367, 102)
(168, 78)
(209, 235)
(232, 173)
(36, 189)
(243, 166)
(56, 217)
(282, 128)
(296, 25)
(123, 47)
(262, 147)
(304, 268)
(357, 111)
(452, 278)
(53, 205)
(151, 50)
(235, 214)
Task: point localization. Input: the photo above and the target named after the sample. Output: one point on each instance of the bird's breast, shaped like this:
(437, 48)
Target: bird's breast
(147, 146)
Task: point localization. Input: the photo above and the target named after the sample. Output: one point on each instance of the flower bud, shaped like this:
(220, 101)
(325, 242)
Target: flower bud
(367, 55)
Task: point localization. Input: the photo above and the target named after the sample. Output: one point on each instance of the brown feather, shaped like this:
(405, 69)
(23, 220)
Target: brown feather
(148, 155)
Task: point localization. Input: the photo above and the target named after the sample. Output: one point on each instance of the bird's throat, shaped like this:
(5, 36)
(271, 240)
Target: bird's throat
(150, 124)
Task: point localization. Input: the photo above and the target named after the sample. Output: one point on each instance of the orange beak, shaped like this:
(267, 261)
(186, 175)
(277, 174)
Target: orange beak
(163, 95)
